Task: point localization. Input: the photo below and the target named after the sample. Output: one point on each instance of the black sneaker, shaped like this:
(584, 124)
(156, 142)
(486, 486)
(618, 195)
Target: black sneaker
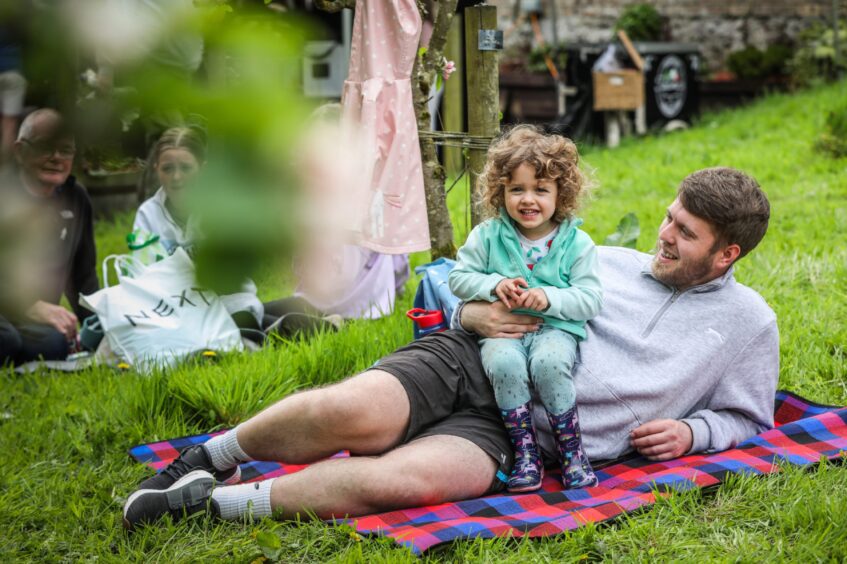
(302, 325)
(191, 458)
(189, 495)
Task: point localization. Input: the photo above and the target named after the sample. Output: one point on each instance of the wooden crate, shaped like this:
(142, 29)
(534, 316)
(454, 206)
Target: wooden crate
(618, 90)
(623, 89)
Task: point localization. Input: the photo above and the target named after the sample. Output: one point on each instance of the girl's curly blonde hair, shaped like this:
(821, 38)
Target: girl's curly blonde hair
(552, 156)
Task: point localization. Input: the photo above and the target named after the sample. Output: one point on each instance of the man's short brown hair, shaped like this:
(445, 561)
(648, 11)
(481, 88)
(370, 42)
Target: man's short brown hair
(731, 201)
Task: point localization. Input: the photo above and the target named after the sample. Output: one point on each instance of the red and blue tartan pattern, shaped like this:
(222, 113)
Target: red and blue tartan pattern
(805, 432)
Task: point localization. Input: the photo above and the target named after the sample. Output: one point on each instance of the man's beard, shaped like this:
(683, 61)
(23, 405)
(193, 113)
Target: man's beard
(681, 272)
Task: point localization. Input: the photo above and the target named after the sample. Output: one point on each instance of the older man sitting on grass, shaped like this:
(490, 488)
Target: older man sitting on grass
(47, 245)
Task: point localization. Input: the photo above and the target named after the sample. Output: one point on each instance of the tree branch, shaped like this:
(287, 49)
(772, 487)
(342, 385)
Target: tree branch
(333, 6)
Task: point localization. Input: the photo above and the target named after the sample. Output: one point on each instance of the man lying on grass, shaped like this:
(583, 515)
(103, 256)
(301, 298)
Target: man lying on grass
(682, 359)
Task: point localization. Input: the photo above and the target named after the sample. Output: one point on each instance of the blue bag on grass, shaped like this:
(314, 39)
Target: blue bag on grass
(434, 303)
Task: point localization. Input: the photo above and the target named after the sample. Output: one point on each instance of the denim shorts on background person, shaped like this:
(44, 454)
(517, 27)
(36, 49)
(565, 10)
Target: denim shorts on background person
(449, 394)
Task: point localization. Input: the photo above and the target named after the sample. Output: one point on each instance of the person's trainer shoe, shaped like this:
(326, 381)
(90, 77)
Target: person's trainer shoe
(190, 494)
(192, 458)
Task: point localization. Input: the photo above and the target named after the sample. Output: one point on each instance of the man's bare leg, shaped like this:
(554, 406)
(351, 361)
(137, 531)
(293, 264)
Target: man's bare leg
(426, 471)
(366, 414)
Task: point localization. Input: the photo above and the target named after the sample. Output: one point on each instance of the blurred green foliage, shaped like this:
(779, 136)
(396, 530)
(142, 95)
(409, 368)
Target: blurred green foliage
(536, 59)
(249, 100)
(641, 22)
(121, 71)
(626, 233)
(833, 140)
(753, 63)
(814, 61)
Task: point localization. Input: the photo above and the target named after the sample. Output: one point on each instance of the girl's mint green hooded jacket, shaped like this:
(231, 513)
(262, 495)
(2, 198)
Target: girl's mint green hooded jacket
(568, 274)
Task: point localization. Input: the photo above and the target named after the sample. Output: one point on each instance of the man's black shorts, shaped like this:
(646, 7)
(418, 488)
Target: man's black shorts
(449, 394)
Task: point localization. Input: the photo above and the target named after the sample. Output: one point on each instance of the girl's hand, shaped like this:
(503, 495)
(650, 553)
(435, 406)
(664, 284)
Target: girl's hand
(535, 299)
(510, 289)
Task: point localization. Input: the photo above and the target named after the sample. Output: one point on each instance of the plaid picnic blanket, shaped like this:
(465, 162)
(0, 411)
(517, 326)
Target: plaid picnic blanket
(805, 432)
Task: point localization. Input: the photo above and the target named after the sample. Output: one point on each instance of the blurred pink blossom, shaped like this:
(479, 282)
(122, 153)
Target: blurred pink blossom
(449, 67)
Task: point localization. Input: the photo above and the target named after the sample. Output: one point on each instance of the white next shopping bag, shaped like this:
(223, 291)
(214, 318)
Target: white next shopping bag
(160, 315)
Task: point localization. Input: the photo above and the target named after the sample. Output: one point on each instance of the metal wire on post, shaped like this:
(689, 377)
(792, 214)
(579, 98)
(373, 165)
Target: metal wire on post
(458, 139)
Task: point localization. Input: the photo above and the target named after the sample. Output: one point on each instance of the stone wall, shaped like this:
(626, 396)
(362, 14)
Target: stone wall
(719, 27)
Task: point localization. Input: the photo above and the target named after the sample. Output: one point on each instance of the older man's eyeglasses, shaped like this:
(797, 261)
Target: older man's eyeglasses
(45, 148)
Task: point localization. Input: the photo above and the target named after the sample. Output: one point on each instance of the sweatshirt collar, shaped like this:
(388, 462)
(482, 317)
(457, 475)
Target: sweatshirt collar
(710, 286)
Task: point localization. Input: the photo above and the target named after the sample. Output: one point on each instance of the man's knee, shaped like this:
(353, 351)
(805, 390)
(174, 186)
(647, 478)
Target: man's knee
(368, 405)
(328, 406)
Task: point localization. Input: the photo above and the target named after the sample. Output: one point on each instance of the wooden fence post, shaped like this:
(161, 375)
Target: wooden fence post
(454, 96)
(483, 92)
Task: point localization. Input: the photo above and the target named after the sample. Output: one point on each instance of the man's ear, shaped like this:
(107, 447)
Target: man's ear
(727, 256)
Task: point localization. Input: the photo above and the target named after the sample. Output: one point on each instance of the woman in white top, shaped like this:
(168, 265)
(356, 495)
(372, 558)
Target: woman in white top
(176, 158)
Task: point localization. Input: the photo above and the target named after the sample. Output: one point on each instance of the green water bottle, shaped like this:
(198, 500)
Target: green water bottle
(146, 247)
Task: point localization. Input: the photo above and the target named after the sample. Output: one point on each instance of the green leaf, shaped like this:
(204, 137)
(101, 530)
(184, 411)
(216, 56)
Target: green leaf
(626, 234)
(269, 544)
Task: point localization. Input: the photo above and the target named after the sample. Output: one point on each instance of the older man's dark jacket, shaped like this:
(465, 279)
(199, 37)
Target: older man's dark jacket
(50, 239)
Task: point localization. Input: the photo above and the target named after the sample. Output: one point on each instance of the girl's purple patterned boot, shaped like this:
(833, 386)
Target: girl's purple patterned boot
(576, 469)
(528, 469)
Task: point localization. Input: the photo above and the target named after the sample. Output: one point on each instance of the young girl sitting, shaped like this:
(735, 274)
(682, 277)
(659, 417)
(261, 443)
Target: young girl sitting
(176, 158)
(533, 257)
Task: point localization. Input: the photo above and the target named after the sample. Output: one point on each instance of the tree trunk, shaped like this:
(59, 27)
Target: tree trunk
(426, 67)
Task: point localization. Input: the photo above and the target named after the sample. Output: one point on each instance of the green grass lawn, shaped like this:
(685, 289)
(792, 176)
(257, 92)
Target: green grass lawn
(66, 472)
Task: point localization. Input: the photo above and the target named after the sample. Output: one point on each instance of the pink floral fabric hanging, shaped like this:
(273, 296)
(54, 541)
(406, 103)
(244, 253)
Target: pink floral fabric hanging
(378, 97)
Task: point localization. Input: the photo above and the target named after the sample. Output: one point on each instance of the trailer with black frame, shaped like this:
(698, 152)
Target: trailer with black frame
(671, 90)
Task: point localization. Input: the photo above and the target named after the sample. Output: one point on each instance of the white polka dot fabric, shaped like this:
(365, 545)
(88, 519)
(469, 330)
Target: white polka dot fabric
(378, 97)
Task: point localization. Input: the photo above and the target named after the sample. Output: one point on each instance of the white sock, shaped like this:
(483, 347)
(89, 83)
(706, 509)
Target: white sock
(225, 451)
(244, 500)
